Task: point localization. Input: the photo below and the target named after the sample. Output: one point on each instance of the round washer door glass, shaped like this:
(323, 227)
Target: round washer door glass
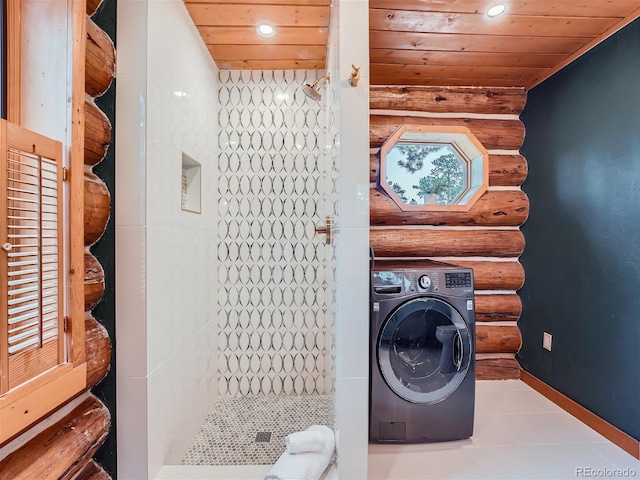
(424, 350)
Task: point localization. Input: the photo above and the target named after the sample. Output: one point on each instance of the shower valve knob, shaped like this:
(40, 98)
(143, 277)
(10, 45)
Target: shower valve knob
(325, 229)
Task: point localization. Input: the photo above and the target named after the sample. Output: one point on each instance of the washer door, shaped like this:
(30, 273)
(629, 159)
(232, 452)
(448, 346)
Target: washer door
(424, 350)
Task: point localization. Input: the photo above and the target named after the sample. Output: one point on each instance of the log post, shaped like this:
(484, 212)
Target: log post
(63, 448)
(100, 69)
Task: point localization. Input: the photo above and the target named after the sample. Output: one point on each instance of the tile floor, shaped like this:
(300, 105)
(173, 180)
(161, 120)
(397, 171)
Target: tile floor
(518, 434)
(229, 434)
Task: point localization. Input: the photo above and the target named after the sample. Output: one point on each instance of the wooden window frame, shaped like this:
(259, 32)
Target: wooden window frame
(460, 140)
(27, 403)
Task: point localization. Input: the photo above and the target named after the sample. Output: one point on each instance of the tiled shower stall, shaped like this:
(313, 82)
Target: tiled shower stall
(275, 314)
(223, 289)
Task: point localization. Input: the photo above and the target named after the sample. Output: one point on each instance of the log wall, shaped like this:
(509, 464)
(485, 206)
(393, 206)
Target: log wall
(487, 238)
(65, 449)
(100, 68)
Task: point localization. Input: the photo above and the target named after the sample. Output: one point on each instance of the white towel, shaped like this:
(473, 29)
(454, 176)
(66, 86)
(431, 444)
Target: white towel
(307, 441)
(304, 466)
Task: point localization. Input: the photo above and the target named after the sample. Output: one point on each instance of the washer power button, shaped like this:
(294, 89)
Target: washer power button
(424, 282)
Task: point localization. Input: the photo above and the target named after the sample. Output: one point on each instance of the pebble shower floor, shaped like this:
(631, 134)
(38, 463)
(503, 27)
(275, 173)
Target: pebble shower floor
(228, 436)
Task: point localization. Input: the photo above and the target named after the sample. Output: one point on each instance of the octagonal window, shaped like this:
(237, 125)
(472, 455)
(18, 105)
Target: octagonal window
(426, 167)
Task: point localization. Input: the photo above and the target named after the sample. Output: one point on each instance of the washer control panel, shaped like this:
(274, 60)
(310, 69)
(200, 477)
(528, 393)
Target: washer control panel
(389, 283)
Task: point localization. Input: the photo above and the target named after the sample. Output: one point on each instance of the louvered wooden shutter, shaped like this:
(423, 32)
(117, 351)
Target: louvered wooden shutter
(31, 263)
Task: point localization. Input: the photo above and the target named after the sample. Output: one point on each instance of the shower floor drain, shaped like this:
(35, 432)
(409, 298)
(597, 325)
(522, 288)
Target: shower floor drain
(263, 437)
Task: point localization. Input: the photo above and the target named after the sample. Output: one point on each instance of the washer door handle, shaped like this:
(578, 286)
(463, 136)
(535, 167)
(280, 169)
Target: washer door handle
(457, 350)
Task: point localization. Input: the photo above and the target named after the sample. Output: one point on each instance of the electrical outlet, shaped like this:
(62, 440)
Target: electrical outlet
(546, 340)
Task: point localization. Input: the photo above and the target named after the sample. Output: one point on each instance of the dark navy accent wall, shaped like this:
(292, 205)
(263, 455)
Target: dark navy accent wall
(582, 256)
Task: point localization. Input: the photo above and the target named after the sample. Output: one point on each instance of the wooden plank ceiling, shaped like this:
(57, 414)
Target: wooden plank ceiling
(453, 42)
(417, 42)
(228, 28)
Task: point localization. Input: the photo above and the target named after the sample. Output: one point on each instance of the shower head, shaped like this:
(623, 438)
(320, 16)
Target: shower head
(311, 91)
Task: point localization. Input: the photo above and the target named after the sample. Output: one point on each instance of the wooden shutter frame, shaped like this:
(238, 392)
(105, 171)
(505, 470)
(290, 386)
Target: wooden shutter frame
(30, 153)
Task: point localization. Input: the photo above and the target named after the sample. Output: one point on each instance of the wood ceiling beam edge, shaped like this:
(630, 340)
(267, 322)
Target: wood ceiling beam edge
(581, 51)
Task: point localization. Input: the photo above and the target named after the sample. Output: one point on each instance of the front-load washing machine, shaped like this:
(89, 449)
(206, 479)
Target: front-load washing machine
(422, 368)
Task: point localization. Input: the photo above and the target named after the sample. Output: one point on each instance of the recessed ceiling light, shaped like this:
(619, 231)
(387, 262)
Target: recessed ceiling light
(266, 30)
(496, 10)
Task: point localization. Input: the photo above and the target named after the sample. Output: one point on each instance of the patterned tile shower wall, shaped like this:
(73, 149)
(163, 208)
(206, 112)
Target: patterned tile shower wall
(275, 324)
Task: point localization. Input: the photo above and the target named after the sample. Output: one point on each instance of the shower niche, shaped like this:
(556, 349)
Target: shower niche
(191, 185)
